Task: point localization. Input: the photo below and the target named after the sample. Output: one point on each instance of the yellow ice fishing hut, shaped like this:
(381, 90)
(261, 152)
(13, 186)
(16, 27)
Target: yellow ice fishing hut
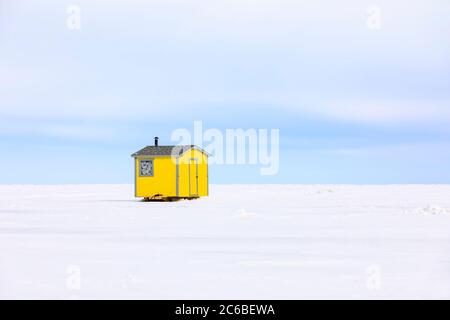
(170, 172)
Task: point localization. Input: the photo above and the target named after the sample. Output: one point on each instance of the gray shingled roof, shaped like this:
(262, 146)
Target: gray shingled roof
(163, 150)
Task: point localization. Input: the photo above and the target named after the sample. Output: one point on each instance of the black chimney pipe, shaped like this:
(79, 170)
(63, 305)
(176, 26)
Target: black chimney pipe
(156, 141)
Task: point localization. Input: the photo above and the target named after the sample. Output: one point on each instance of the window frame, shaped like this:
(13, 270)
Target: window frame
(152, 171)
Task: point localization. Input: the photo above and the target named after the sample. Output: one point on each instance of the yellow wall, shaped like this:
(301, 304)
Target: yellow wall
(163, 180)
(164, 176)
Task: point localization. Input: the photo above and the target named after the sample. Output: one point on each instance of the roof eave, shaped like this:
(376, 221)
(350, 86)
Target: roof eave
(136, 154)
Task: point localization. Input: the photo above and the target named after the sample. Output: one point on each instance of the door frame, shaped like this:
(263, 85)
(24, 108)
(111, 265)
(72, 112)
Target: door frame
(195, 160)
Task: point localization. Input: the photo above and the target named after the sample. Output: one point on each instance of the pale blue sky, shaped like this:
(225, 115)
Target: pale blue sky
(353, 105)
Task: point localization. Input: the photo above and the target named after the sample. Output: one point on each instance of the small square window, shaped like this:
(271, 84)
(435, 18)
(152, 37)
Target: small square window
(146, 168)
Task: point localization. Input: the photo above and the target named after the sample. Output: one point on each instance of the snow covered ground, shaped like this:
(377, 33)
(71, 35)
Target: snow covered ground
(244, 241)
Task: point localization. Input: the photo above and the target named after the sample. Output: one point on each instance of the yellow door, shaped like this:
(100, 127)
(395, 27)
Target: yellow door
(193, 178)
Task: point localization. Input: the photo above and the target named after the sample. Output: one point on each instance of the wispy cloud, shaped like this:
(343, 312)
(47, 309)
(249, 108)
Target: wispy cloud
(392, 112)
(144, 58)
(55, 128)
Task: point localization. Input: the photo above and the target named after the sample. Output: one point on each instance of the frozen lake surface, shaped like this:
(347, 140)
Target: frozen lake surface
(242, 242)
